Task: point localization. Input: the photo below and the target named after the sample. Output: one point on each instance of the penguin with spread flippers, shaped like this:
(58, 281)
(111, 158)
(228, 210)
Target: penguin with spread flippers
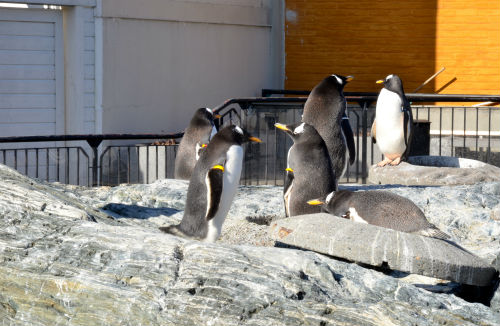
(392, 127)
(212, 186)
(309, 172)
(325, 110)
(197, 135)
(381, 208)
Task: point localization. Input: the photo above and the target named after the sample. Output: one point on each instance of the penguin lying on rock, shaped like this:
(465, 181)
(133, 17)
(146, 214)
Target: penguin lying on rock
(381, 208)
(392, 127)
(212, 186)
(197, 135)
(309, 172)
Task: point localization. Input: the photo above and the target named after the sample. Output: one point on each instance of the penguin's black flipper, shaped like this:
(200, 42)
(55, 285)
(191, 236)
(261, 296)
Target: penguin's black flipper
(214, 190)
(374, 131)
(286, 187)
(407, 127)
(349, 137)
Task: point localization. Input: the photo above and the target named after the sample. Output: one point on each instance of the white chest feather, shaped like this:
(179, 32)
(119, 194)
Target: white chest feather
(231, 179)
(389, 119)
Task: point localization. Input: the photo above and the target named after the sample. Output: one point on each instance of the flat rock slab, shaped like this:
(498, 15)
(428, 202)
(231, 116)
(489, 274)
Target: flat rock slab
(434, 171)
(375, 246)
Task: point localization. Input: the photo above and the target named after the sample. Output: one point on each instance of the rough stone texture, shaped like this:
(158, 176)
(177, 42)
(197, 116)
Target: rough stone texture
(58, 267)
(434, 170)
(375, 246)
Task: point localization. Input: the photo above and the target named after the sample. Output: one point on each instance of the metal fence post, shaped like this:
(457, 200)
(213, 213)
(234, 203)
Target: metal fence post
(94, 144)
(364, 142)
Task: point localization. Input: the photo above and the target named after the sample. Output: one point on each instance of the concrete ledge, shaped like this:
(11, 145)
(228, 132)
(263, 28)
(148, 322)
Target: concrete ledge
(377, 246)
(435, 171)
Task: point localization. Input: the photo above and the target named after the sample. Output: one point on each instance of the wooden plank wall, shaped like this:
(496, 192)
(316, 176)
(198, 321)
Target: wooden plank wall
(372, 38)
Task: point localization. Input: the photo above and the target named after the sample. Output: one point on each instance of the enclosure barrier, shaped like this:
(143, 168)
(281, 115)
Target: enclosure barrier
(472, 132)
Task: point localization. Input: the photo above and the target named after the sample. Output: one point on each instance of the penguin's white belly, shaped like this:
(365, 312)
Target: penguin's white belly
(389, 120)
(231, 179)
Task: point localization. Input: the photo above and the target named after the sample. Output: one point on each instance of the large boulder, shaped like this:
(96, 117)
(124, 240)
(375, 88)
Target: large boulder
(82, 256)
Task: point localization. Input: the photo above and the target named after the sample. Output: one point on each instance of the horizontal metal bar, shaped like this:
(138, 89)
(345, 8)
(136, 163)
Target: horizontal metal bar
(90, 138)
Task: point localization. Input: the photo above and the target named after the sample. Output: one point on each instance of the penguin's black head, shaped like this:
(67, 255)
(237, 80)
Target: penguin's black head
(337, 81)
(393, 83)
(235, 134)
(204, 115)
(323, 201)
(300, 131)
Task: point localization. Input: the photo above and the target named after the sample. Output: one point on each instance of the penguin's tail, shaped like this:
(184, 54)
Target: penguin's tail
(433, 232)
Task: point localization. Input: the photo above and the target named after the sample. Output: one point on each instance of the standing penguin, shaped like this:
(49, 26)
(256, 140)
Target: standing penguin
(392, 127)
(381, 208)
(309, 172)
(212, 186)
(199, 132)
(325, 110)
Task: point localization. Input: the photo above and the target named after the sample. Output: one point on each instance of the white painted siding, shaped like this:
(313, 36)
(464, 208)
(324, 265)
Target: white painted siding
(89, 59)
(28, 69)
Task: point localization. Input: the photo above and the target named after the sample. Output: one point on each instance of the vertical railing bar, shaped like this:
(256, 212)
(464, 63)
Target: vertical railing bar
(47, 161)
(58, 152)
(452, 127)
(15, 159)
(489, 136)
(138, 164)
(26, 161)
(118, 165)
(276, 156)
(37, 162)
(109, 164)
(465, 124)
(157, 161)
(78, 166)
(67, 166)
(440, 127)
(128, 164)
(477, 133)
(147, 163)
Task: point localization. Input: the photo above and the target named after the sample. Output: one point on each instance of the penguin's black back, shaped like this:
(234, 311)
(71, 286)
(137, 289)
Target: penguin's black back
(312, 170)
(198, 131)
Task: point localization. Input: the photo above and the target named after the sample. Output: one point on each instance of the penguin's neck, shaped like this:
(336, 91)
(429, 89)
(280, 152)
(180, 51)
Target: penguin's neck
(388, 104)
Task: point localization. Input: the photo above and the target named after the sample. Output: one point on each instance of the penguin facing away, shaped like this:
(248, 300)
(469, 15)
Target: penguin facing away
(381, 208)
(325, 110)
(392, 127)
(309, 172)
(197, 135)
(212, 186)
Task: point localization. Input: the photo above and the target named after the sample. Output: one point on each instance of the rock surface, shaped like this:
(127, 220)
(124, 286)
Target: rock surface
(64, 261)
(434, 171)
(377, 246)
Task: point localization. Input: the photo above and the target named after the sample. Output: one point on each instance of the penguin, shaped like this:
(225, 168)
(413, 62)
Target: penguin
(309, 171)
(212, 186)
(381, 208)
(325, 110)
(197, 135)
(392, 127)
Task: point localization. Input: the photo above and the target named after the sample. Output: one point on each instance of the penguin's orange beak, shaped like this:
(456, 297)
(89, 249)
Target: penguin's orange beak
(349, 78)
(217, 116)
(281, 126)
(379, 81)
(255, 139)
(315, 202)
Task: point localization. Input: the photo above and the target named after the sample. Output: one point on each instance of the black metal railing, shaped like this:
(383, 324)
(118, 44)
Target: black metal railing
(471, 132)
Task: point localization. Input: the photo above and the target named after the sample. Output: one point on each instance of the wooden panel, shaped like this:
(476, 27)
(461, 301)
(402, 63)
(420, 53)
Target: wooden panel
(414, 39)
(27, 86)
(24, 101)
(24, 28)
(26, 116)
(27, 72)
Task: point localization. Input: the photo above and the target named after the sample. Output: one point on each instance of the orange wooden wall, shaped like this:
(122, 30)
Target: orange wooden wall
(413, 38)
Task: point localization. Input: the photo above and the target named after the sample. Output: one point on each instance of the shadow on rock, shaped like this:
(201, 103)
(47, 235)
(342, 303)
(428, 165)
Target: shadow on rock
(135, 211)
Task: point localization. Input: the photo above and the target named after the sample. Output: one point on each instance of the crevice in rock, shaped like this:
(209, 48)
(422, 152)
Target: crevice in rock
(263, 219)
(178, 257)
(249, 314)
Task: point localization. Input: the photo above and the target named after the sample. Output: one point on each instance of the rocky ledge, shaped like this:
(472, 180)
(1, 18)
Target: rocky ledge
(93, 256)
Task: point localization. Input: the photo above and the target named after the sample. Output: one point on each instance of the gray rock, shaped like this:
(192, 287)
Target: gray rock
(434, 170)
(376, 246)
(58, 267)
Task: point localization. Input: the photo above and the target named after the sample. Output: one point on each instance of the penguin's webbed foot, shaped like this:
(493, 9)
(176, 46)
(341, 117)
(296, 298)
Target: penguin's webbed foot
(384, 162)
(396, 161)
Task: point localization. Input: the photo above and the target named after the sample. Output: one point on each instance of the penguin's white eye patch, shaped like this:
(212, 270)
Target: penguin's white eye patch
(329, 197)
(389, 77)
(338, 79)
(209, 111)
(299, 129)
(238, 130)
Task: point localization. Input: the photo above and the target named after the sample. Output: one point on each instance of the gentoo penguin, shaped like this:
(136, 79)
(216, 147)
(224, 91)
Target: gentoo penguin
(199, 132)
(309, 172)
(325, 110)
(212, 186)
(381, 208)
(392, 127)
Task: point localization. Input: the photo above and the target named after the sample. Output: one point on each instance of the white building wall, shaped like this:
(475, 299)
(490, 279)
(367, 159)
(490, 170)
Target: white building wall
(164, 59)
